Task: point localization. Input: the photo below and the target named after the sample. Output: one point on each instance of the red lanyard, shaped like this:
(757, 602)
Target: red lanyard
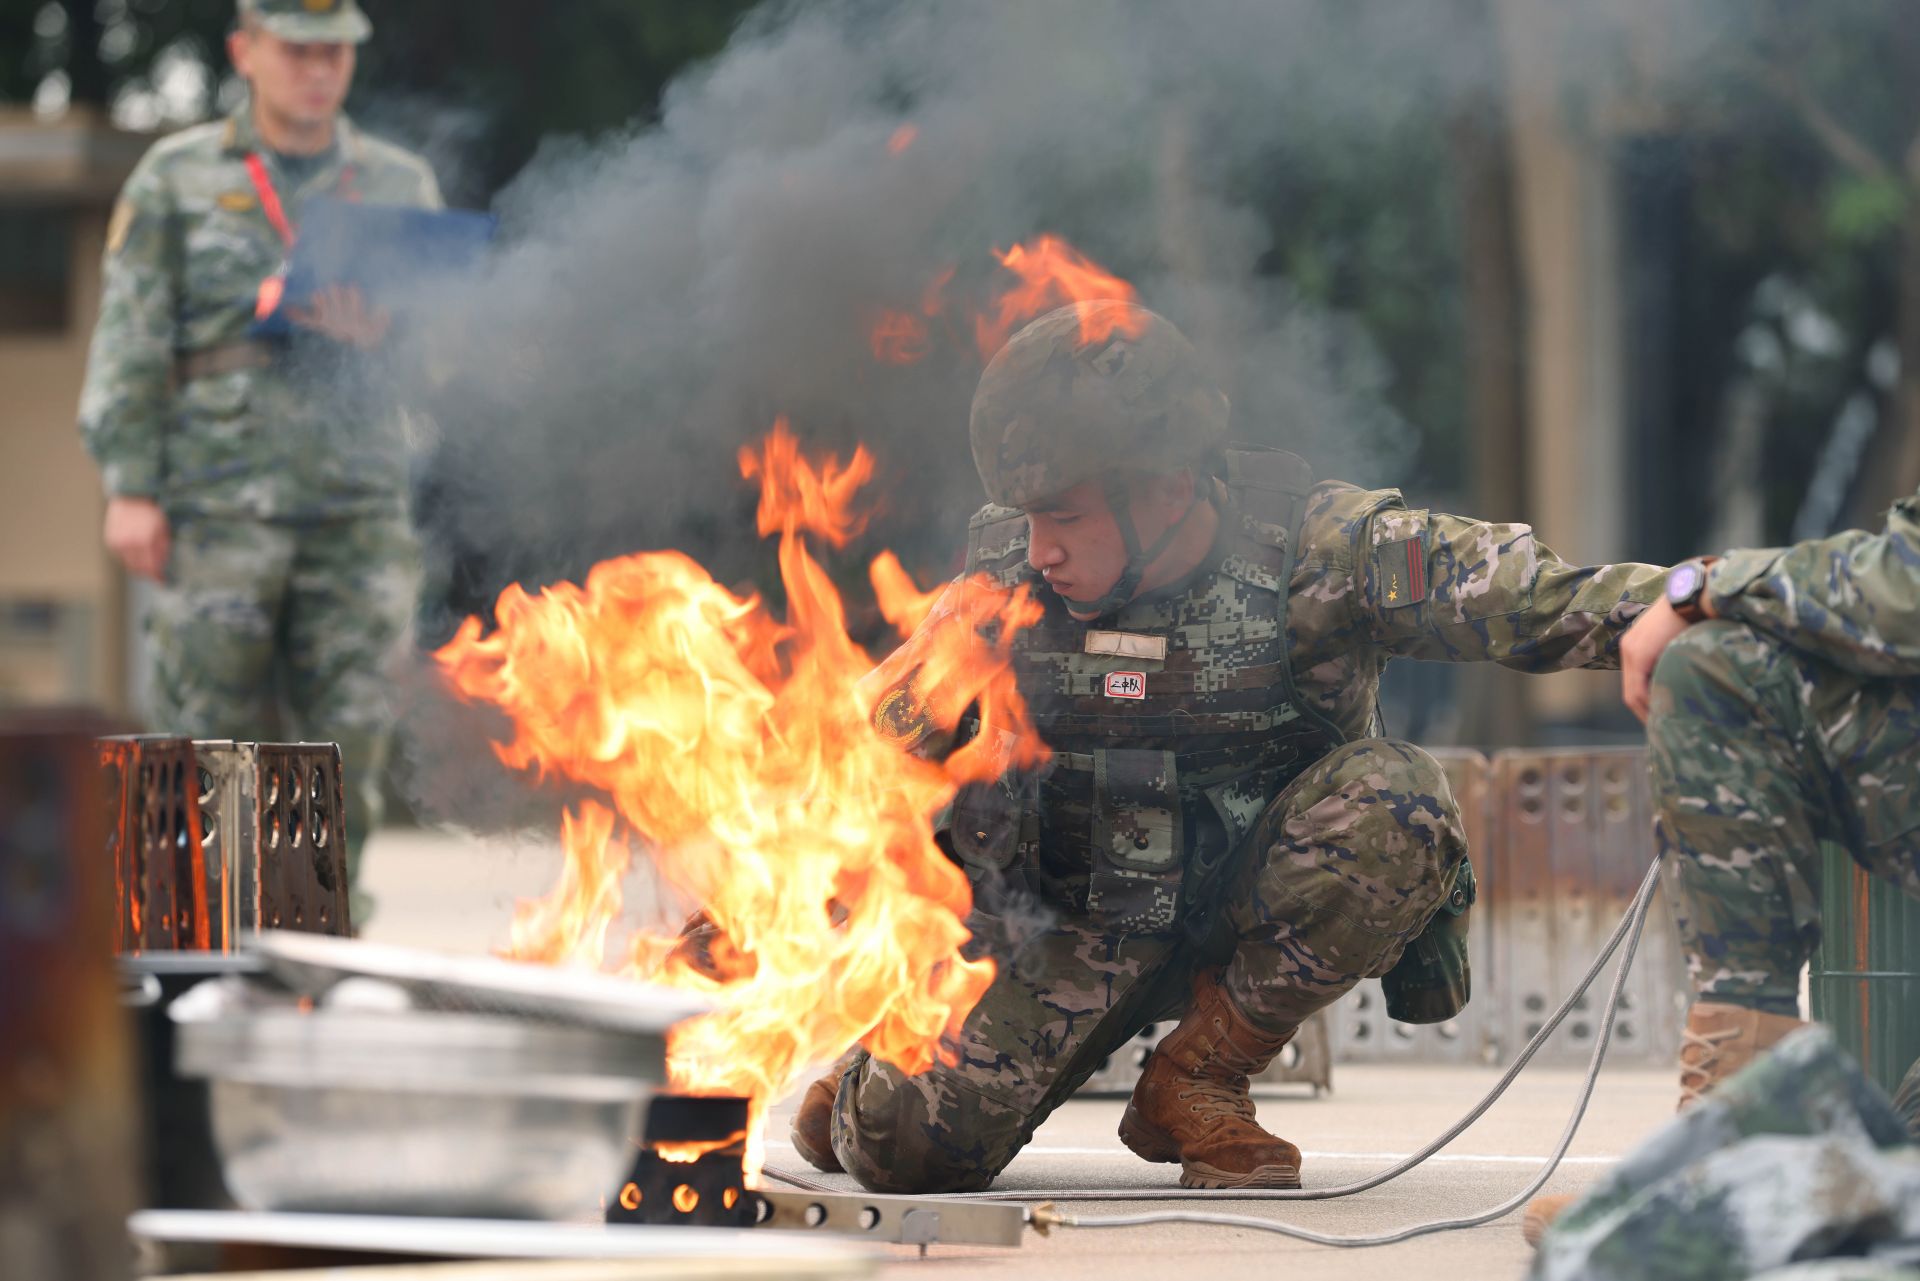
(274, 286)
(269, 198)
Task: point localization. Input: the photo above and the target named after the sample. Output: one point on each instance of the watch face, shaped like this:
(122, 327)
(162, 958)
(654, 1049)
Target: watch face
(1682, 583)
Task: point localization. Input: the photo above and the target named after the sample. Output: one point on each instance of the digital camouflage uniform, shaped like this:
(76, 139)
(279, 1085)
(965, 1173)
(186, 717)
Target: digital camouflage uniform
(1791, 719)
(1239, 813)
(283, 480)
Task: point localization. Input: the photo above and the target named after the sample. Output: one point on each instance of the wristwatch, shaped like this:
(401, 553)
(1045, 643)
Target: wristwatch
(1687, 586)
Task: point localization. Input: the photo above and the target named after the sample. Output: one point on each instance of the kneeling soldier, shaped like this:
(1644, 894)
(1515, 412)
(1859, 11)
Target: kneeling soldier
(1219, 834)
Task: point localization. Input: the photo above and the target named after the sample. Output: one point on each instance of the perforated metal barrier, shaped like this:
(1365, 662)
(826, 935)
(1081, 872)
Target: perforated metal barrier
(1563, 840)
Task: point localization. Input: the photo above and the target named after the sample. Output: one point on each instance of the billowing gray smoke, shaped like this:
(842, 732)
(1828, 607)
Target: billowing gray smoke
(662, 296)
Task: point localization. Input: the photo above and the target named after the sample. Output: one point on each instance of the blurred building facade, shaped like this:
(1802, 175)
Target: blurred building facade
(63, 601)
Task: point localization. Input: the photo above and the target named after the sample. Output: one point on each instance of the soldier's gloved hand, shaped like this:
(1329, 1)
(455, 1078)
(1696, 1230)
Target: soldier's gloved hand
(340, 312)
(1640, 651)
(138, 536)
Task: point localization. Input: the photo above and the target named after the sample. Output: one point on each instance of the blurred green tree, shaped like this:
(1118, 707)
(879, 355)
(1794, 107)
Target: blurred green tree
(1807, 192)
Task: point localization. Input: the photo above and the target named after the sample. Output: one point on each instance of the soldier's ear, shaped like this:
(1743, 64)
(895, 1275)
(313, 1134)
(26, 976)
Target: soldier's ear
(1169, 490)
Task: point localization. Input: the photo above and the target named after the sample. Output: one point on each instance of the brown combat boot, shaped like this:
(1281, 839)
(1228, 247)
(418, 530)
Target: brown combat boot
(1191, 1103)
(1718, 1041)
(813, 1124)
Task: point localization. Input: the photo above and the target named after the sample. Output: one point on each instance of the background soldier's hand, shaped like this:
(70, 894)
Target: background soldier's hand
(1640, 650)
(340, 312)
(136, 532)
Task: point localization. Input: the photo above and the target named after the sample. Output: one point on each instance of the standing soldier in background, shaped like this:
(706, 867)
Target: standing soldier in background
(255, 481)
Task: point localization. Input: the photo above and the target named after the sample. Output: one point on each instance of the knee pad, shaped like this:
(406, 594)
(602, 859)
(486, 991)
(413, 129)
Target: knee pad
(886, 1139)
(1404, 766)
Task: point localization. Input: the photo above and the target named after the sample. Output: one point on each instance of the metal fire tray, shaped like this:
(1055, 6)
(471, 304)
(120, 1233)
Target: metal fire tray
(311, 964)
(330, 1237)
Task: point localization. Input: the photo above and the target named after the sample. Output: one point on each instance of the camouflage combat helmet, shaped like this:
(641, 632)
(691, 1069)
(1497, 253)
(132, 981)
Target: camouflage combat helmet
(1053, 409)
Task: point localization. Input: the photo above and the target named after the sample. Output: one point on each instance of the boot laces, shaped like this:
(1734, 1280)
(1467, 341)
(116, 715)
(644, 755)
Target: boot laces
(1696, 1071)
(1218, 1100)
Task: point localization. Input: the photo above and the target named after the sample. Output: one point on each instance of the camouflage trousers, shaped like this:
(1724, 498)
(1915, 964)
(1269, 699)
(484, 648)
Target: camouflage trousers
(264, 623)
(1340, 873)
(1758, 752)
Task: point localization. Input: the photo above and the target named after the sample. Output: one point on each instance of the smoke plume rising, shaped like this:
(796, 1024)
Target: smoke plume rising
(661, 296)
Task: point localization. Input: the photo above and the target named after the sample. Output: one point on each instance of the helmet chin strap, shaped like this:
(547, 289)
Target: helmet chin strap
(1138, 559)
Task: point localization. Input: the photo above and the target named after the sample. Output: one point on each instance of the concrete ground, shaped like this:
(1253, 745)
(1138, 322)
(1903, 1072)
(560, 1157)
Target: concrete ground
(451, 892)
(1375, 1114)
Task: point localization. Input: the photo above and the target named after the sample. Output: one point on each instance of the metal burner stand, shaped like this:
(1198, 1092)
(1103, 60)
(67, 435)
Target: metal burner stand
(711, 1191)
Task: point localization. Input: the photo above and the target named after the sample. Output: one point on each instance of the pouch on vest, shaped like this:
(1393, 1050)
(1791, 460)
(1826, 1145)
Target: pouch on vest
(994, 824)
(1431, 982)
(1137, 868)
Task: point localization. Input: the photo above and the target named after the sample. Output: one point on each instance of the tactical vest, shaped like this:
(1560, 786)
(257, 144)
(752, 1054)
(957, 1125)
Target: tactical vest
(1173, 724)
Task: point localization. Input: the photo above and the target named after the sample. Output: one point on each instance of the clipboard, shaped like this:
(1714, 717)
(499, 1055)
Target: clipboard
(391, 253)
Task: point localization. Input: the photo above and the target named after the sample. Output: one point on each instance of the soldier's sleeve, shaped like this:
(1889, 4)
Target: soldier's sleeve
(903, 704)
(1449, 588)
(124, 398)
(1852, 599)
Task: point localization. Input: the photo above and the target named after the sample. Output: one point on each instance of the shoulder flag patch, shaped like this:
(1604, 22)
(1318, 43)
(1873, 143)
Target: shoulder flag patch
(1400, 573)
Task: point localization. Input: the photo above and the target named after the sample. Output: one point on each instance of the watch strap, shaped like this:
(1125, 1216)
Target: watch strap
(1690, 607)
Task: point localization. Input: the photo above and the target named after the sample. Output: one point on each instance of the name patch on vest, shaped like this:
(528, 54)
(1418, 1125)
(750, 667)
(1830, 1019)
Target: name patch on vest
(1400, 573)
(1126, 684)
(1127, 645)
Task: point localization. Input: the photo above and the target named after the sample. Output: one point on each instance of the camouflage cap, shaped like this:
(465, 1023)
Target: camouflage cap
(310, 21)
(1054, 409)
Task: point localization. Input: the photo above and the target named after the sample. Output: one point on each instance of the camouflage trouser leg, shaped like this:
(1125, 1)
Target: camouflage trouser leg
(212, 635)
(1758, 753)
(1342, 870)
(1067, 999)
(1352, 861)
(318, 607)
(350, 600)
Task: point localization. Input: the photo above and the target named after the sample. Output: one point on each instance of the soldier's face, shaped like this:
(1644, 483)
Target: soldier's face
(299, 82)
(1075, 542)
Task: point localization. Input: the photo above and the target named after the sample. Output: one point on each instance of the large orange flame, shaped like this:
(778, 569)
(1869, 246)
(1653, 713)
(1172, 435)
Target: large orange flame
(900, 337)
(759, 763)
(1052, 274)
